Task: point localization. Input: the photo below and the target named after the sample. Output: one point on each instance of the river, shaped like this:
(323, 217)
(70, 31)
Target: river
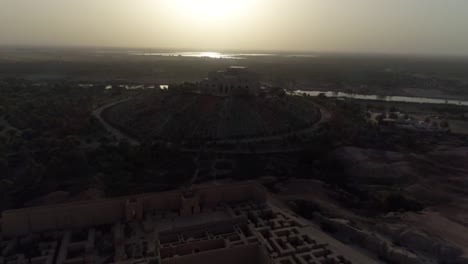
(404, 99)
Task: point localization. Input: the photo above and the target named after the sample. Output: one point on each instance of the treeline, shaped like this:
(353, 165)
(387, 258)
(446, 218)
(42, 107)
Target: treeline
(47, 137)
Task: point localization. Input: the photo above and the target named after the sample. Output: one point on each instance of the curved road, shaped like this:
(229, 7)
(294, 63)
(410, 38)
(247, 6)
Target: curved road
(324, 117)
(97, 113)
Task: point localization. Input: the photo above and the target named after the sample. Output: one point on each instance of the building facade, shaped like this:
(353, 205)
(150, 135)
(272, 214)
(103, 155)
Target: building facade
(221, 224)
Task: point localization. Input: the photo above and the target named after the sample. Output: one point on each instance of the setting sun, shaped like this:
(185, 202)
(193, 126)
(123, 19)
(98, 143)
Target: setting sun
(211, 10)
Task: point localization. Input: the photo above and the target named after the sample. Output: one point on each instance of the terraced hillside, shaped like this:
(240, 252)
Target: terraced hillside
(182, 116)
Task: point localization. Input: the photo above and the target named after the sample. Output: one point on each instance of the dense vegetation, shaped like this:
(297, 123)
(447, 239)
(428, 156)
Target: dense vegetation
(385, 75)
(49, 141)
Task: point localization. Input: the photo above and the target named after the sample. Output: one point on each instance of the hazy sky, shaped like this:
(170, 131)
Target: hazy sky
(394, 26)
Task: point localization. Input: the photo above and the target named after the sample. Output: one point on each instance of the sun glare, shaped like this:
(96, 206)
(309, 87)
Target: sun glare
(211, 10)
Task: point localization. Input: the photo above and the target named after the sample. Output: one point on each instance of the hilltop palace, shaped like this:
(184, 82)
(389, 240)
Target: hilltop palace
(236, 80)
(223, 224)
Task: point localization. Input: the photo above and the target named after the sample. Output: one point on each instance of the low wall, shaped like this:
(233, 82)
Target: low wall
(249, 254)
(109, 211)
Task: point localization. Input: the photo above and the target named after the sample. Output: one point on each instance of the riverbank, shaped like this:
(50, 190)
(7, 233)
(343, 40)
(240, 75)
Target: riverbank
(385, 98)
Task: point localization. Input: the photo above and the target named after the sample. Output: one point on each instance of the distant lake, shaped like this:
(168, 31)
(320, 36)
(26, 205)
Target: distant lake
(212, 55)
(208, 54)
(405, 99)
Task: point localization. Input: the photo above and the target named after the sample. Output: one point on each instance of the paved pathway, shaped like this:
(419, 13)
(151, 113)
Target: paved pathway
(97, 113)
(324, 117)
(6, 125)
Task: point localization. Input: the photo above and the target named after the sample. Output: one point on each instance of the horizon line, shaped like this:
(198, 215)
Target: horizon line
(224, 50)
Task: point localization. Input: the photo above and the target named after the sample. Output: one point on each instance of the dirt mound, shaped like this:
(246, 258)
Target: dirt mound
(437, 180)
(368, 166)
(456, 157)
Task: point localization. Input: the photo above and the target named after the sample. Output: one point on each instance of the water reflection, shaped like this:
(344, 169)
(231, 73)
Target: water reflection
(406, 99)
(211, 55)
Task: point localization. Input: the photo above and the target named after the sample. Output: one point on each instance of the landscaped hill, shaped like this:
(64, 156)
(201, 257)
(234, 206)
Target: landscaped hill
(184, 116)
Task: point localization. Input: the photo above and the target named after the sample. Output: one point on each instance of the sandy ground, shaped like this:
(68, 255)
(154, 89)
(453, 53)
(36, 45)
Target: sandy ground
(436, 224)
(60, 197)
